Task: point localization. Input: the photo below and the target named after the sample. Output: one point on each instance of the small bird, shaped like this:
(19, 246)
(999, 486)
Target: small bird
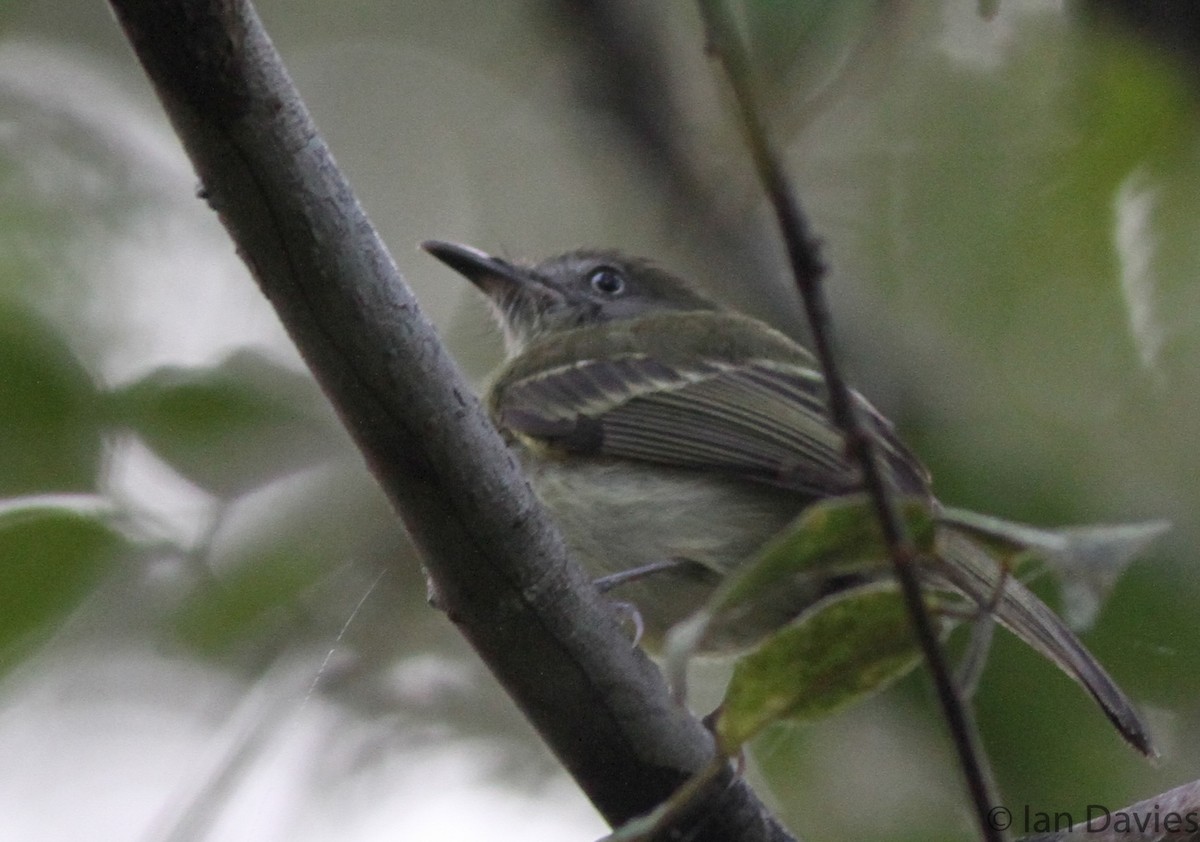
(671, 437)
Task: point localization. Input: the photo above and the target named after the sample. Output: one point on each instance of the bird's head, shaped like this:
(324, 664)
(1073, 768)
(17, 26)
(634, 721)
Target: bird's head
(571, 290)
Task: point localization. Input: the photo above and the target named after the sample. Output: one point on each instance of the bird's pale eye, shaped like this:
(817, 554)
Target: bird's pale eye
(606, 280)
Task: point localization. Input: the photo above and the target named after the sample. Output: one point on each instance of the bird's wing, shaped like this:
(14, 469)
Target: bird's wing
(752, 406)
(756, 419)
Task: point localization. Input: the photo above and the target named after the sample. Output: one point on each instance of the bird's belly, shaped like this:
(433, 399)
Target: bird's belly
(617, 516)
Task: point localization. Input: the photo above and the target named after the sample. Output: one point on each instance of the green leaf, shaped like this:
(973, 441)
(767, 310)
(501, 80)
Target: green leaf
(51, 558)
(833, 545)
(50, 435)
(830, 537)
(855, 644)
(258, 597)
(233, 427)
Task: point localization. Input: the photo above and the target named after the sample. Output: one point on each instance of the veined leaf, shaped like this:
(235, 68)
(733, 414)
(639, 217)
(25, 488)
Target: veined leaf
(835, 545)
(854, 644)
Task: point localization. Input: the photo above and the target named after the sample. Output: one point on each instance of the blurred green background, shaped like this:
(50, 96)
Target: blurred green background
(211, 626)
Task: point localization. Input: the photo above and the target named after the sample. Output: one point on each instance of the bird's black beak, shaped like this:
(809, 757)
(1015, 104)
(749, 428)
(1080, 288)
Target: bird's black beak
(522, 300)
(495, 277)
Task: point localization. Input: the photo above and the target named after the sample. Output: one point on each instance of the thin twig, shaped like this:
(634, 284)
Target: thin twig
(809, 270)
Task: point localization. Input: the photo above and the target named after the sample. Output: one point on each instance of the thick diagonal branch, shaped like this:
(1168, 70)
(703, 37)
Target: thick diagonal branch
(496, 561)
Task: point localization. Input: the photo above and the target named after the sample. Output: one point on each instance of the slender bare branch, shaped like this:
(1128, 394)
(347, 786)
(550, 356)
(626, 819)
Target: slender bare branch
(809, 270)
(497, 563)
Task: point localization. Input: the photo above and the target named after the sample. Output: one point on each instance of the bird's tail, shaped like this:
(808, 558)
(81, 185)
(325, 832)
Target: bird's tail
(971, 561)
